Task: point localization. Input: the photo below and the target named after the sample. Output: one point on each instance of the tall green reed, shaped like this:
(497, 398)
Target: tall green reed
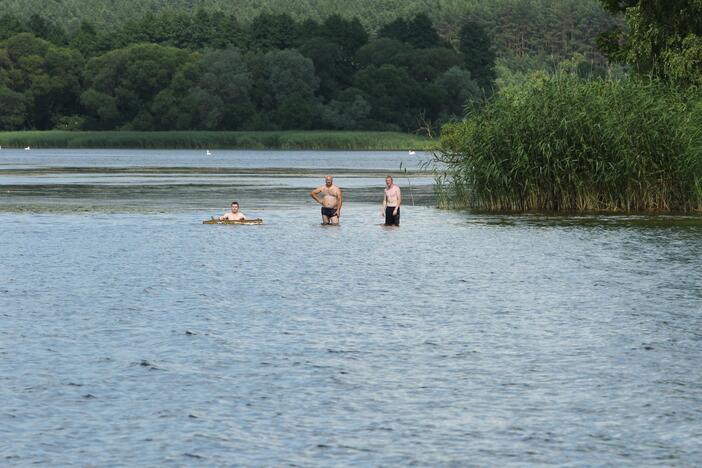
(562, 143)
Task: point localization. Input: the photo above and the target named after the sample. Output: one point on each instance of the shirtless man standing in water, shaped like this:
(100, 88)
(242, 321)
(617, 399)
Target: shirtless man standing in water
(391, 203)
(331, 200)
(234, 215)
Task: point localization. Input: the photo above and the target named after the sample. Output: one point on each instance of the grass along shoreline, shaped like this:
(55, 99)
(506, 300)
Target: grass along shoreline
(295, 140)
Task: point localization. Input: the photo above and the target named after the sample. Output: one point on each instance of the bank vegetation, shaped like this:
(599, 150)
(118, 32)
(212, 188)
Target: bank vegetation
(291, 140)
(564, 142)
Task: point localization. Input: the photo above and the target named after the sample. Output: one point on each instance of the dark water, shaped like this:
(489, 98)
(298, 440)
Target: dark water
(134, 335)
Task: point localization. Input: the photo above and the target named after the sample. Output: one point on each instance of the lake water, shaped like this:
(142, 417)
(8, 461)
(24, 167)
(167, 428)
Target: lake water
(132, 334)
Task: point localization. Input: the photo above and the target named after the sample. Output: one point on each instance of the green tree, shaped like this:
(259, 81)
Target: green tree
(133, 76)
(418, 32)
(664, 38)
(348, 111)
(101, 108)
(287, 73)
(308, 29)
(548, 27)
(350, 35)
(421, 32)
(396, 29)
(5, 68)
(282, 81)
(207, 109)
(183, 30)
(49, 78)
(391, 92)
(476, 47)
(382, 51)
(14, 109)
(226, 32)
(25, 44)
(40, 27)
(10, 25)
(460, 91)
(171, 107)
(425, 65)
(344, 38)
(226, 78)
(85, 40)
(297, 113)
(169, 111)
(330, 64)
(60, 96)
(269, 31)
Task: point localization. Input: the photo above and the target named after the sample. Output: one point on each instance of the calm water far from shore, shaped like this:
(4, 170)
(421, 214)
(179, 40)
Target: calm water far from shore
(135, 335)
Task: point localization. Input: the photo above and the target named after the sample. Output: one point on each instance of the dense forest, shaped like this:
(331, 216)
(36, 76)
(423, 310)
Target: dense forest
(213, 70)
(515, 27)
(203, 71)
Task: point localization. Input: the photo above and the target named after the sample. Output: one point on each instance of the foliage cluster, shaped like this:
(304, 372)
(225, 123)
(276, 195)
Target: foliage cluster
(663, 39)
(566, 142)
(563, 143)
(517, 28)
(204, 72)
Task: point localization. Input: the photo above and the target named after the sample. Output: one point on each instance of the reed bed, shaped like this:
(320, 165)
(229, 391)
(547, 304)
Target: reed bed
(312, 140)
(566, 144)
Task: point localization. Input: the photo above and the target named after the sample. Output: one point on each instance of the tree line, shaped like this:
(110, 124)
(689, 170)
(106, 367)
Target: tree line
(204, 71)
(517, 28)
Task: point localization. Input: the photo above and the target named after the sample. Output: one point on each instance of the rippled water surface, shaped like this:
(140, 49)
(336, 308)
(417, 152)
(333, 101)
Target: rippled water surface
(132, 334)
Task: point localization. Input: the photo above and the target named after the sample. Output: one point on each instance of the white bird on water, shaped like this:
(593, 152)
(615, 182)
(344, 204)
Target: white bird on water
(27, 148)
(411, 152)
(208, 153)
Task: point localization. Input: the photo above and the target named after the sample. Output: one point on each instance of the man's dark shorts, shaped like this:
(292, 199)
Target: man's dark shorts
(328, 212)
(391, 220)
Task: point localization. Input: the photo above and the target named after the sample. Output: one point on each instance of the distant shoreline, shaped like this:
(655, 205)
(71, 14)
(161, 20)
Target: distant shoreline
(295, 140)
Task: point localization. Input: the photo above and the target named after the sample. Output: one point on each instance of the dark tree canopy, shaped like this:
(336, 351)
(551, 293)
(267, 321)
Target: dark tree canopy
(478, 52)
(204, 70)
(418, 32)
(663, 39)
(270, 31)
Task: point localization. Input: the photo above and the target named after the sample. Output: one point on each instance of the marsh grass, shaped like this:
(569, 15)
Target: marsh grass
(566, 144)
(312, 140)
